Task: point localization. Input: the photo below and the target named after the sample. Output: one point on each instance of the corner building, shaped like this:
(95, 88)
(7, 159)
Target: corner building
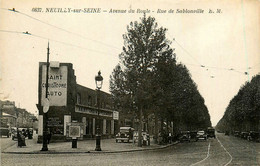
(71, 102)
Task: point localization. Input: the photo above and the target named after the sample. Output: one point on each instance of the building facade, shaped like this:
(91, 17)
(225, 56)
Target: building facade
(11, 116)
(71, 102)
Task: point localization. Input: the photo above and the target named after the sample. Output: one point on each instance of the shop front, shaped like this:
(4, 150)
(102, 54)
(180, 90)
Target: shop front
(92, 117)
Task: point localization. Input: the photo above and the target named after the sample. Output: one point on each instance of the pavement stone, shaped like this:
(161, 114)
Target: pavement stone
(83, 146)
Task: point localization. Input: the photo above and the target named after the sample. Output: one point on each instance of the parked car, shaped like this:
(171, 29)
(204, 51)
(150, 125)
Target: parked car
(201, 135)
(237, 133)
(226, 132)
(4, 131)
(185, 136)
(253, 136)
(193, 135)
(211, 132)
(14, 132)
(125, 134)
(244, 135)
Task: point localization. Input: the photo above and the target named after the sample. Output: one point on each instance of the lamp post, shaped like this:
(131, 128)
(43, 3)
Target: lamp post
(99, 82)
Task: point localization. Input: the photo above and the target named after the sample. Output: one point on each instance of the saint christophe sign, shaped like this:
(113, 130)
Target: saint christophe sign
(57, 90)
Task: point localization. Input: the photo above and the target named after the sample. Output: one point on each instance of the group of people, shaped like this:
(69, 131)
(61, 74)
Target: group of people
(21, 135)
(165, 137)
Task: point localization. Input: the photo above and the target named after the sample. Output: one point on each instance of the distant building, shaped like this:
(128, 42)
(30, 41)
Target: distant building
(11, 116)
(8, 120)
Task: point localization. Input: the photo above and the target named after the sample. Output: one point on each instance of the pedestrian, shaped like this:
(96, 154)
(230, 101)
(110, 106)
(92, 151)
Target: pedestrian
(160, 138)
(170, 138)
(30, 134)
(49, 136)
(21, 139)
(24, 133)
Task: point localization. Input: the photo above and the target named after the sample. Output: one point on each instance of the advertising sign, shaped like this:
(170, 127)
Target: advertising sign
(115, 115)
(74, 130)
(57, 90)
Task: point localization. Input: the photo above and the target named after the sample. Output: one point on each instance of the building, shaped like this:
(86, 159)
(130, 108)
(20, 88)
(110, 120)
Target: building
(71, 102)
(7, 113)
(11, 116)
(24, 118)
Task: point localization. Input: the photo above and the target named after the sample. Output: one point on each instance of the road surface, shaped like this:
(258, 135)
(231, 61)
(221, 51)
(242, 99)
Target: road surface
(224, 150)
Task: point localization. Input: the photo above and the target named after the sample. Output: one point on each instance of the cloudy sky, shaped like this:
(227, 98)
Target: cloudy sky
(226, 43)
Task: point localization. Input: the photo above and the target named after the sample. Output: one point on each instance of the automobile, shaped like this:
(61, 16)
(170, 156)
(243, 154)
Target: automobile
(253, 136)
(185, 136)
(125, 134)
(244, 135)
(193, 135)
(14, 132)
(211, 132)
(226, 132)
(201, 135)
(237, 133)
(4, 131)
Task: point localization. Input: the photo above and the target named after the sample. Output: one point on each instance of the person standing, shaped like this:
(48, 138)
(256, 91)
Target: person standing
(49, 136)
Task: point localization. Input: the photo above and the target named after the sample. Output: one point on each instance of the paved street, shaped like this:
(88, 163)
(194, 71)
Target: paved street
(225, 150)
(6, 142)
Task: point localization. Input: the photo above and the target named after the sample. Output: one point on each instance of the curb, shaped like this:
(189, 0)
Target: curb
(93, 152)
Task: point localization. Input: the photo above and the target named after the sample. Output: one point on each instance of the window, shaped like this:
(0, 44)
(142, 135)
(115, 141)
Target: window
(78, 98)
(89, 100)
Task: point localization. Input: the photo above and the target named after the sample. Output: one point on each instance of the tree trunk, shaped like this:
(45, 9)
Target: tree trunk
(140, 127)
(156, 127)
(161, 124)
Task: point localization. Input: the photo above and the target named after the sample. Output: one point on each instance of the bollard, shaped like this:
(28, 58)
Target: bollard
(98, 142)
(74, 143)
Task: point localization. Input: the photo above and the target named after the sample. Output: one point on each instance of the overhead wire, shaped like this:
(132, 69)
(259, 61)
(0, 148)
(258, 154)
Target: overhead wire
(185, 50)
(62, 29)
(244, 30)
(65, 43)
(202, 65)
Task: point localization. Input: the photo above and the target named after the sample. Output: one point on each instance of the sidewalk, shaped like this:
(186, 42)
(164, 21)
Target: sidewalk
(86, 146)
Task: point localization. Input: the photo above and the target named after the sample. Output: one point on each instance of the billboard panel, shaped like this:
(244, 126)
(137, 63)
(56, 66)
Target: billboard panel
(57, 90)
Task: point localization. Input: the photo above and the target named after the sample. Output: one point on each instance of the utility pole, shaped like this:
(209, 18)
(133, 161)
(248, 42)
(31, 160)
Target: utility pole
(45, 114)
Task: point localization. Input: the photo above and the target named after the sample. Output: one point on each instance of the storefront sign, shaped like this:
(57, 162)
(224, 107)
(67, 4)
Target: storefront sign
(92, 111)
(115, 115)
(57, 89)
(54, 122)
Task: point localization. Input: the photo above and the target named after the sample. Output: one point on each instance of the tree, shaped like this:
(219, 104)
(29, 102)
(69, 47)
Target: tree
(144, 42)
(243, 111)
(148, 81)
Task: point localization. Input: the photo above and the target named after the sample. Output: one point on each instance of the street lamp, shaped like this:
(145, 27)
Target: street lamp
(99, 82)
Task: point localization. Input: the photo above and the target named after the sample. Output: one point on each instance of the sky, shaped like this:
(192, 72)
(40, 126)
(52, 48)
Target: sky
(217, 48)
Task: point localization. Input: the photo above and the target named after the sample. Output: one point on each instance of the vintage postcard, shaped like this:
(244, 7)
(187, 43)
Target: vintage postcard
(130, 82)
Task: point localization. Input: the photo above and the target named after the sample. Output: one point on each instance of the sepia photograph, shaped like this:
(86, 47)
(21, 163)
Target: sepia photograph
(130, 83)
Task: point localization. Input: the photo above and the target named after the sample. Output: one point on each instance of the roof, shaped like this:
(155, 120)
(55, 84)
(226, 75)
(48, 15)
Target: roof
(8, 115)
